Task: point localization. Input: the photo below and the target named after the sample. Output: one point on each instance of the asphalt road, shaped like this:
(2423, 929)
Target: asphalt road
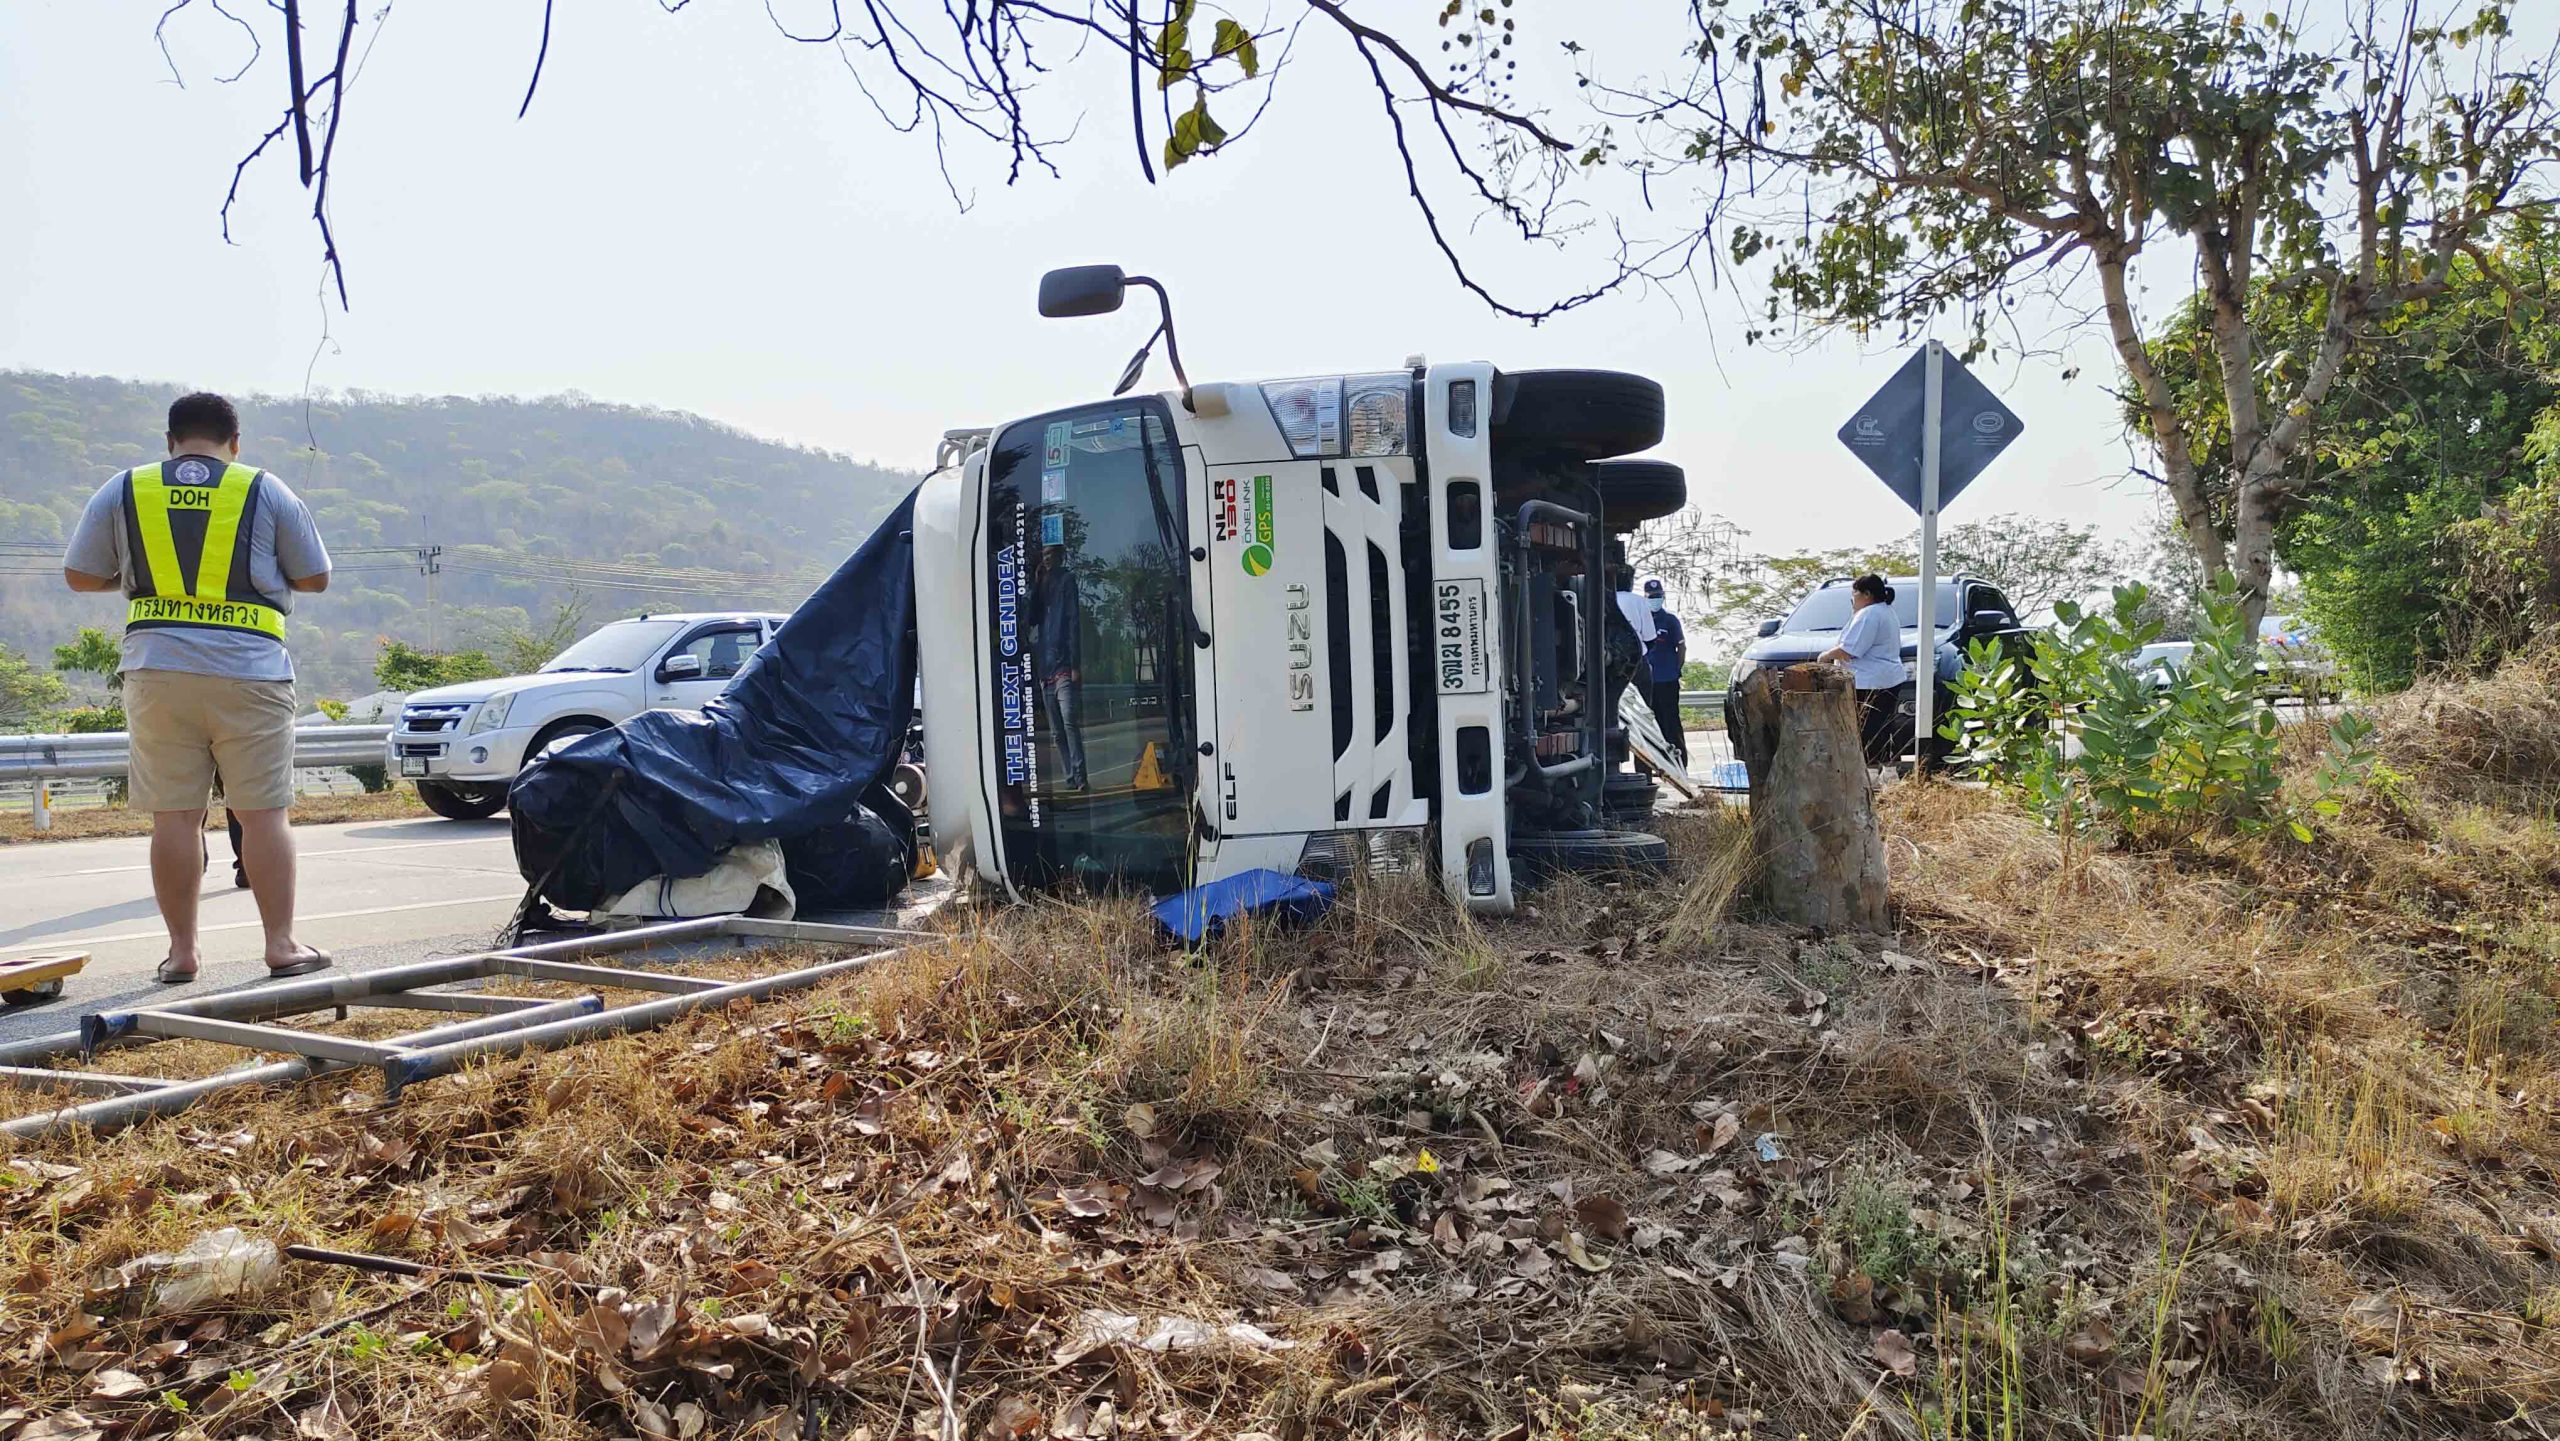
(372, 893)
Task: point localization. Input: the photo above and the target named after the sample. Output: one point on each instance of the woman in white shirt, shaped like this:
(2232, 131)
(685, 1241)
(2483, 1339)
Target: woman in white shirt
(1871, 645)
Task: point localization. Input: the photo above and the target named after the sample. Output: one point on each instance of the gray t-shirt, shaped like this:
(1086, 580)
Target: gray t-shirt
(283, 546)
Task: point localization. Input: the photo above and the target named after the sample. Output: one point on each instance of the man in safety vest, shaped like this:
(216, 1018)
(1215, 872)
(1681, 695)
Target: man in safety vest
(209, 553)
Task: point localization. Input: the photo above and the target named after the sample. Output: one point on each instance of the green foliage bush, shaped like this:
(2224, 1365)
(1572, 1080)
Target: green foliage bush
(2089, 742)
(404, 667)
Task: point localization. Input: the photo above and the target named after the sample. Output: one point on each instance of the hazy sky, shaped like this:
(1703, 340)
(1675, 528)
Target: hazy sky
(700, 215)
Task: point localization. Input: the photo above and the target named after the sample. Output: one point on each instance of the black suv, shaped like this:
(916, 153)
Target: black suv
(1967, 609)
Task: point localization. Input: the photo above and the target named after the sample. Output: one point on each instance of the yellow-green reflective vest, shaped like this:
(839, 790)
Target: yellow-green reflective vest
(189, 536)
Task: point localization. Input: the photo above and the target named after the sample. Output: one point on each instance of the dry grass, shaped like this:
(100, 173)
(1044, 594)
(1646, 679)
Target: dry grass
(92, 822)
(2248, 1139)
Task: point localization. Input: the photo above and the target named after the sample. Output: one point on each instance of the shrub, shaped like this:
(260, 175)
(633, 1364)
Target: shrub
(2086, 739)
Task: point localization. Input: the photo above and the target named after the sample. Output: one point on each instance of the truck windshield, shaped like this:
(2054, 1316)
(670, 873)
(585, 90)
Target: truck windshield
(623, 645)
(1090, 594)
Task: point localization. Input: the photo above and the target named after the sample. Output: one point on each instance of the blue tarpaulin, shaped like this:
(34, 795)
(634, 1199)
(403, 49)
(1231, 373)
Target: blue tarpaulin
(1204, 911)
(813, 722)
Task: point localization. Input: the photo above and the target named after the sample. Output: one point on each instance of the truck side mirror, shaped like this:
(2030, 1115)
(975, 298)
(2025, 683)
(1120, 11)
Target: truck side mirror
(1989, 622)
(1769, 627)
(685, 666)
(1082, 290)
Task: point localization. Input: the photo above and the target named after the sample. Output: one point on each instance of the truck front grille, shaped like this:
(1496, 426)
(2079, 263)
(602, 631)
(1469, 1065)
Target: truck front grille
(1365, 651)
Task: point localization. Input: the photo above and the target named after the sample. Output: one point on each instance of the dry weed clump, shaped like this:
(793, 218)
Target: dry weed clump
(2245, 1139)
(2494, 738)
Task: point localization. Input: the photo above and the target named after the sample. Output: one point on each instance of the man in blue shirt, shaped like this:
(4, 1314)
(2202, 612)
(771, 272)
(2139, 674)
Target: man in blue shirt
(1665, 657)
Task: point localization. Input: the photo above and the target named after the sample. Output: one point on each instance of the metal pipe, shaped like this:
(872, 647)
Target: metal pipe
(102, 1117)
(602, 975)
(343, 988)
(439, 1049)
(38, 1048)
(423, 1062)
(251, 1036)
(284, 998)
(819, 931)
(474, 1002)
(104, 1083)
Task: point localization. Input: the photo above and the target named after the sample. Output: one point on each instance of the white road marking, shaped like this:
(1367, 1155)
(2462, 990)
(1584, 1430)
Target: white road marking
(305, 855)
(67, 941)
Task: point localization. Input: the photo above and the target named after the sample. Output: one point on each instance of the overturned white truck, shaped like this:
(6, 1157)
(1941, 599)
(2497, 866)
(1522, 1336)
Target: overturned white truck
(1317, 625)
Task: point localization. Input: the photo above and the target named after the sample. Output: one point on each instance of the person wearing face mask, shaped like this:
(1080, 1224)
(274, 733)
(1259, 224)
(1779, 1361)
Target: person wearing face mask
(1665, 656)
(1871, 646)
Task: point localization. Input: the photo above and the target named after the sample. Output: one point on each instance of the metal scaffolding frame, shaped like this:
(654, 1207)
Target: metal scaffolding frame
(500, 1025)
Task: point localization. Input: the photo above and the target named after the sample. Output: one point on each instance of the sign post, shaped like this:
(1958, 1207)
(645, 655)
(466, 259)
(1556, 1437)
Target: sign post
(1924, 690)
(1901, 434)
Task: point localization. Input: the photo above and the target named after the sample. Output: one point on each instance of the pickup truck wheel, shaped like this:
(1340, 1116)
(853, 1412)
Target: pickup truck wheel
(1635, 491)
(559, 735)
(1576, 414)
(1547, 854)
(460, 805)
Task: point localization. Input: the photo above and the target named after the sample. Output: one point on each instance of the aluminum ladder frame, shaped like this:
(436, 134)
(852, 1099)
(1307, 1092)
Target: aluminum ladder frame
(503, 1025)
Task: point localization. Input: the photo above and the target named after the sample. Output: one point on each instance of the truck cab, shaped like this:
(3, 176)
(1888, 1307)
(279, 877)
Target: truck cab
(1324, 625)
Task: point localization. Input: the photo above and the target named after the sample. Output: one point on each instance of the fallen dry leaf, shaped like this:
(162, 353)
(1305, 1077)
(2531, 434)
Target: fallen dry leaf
(1603, 1215)
(1574, 1252)
(1894, 1350)
(112, 1385)
(62, 1426)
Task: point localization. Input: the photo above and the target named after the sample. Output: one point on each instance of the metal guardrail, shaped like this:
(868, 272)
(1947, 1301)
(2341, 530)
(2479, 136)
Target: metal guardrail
(110, 753)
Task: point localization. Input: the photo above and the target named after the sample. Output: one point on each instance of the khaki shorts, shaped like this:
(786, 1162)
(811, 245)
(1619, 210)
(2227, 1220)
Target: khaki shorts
(186, 726)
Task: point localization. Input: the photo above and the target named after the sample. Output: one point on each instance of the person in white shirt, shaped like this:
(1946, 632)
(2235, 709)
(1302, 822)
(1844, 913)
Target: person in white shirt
(1871, 646)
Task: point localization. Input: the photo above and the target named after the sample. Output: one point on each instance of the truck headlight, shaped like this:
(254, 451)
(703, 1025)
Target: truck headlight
(1744, 670)
(1374, 412)
(1309, 413)
(493, 712)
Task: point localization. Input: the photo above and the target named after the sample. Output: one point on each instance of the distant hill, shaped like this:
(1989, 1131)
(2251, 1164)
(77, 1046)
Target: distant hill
(538, 504)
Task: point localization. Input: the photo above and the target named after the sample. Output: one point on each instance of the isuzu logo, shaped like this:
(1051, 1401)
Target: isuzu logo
(1302, 650)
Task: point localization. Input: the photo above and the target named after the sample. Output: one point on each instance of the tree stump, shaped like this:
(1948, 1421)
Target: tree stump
(1813, 820)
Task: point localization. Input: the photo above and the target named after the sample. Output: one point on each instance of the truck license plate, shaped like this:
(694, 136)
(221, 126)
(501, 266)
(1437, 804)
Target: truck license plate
(413, 765)
(1457, 637)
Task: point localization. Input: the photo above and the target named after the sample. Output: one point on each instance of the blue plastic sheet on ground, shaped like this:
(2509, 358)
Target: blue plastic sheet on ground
(811, 723)
(1204, 911)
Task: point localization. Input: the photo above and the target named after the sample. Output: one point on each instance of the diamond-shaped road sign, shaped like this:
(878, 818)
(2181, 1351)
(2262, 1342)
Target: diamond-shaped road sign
(1973, 426)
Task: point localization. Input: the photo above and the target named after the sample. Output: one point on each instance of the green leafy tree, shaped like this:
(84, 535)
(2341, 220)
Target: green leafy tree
(519, 647)
(27, 694)
(2425, 429)
(1951, 155)
(93, 652)
(2035, 561)
(403, 667)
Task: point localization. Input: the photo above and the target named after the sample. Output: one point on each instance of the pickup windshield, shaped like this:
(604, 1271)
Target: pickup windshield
(1828, 608)
(623, 645)
(1089, 589)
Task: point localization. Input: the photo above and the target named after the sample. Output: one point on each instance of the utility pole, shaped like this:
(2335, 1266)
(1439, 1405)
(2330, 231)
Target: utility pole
(431, 565)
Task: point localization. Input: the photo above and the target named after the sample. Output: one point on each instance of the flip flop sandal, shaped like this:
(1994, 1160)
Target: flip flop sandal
(167, 976)
(315, 960)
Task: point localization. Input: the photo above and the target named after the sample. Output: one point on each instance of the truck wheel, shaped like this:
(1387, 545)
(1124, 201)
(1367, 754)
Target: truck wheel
(1629, 797)
(1576, 414)
(1546, 854)
(455, 804)
(1635, 491)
